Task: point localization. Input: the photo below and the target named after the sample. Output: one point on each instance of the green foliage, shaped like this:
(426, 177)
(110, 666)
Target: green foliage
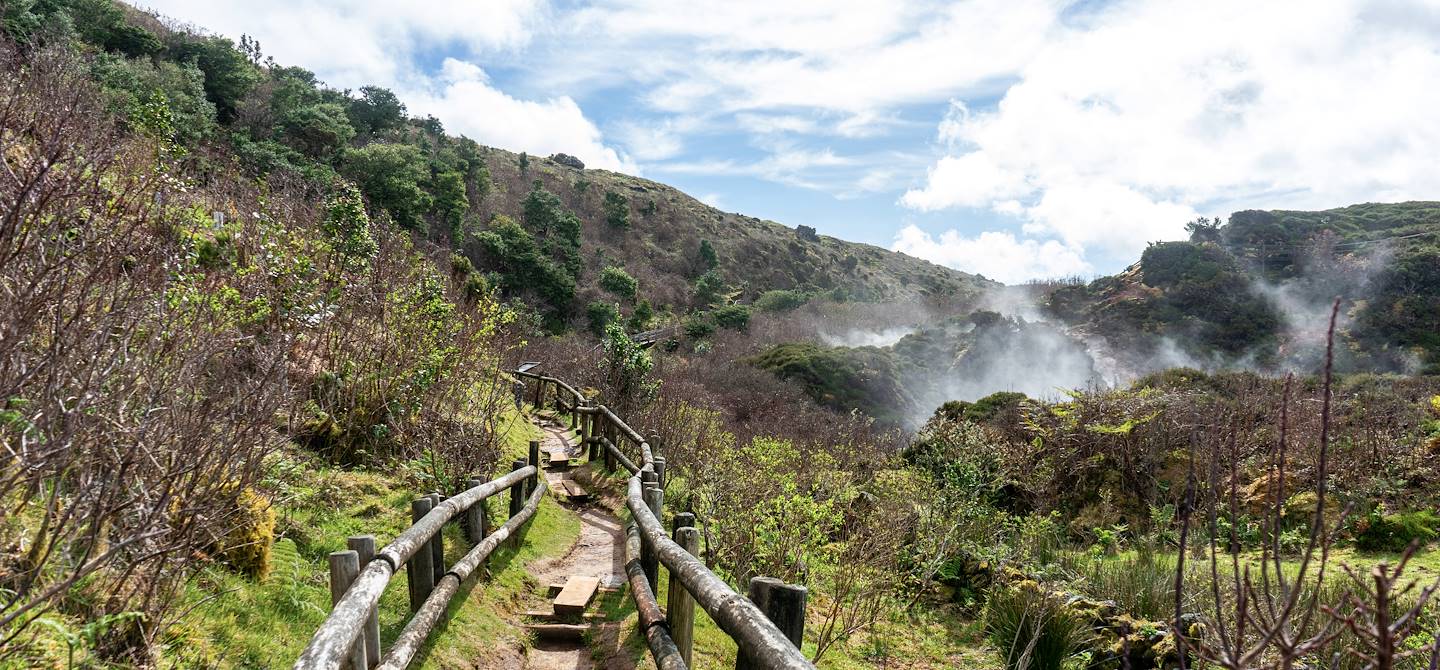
(556, 228)
(709, 289)
(391, 176)
(1393, 532)
(709, 260)
(524, 163)
(1031, 630)
(616, 280)
(617, 210)
(318, 130)
(1403, 308)
(522, 266)
(698, 326)
(625, 368)
(229, 75)
(601, 315)
(348, 226)
(376, 110)
(1207, 292)
(135, 87)
(734, 317)
(781, 300)
(451, 203)
(842, 378)
(642, 317)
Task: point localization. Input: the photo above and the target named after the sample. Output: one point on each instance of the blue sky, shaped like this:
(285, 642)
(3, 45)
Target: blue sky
(1015, 138)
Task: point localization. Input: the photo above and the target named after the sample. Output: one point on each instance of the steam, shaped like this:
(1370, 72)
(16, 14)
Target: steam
(863, 337)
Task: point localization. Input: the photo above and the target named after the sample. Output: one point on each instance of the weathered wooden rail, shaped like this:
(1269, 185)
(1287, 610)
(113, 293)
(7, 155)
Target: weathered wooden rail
(350, 635)
(767, 626)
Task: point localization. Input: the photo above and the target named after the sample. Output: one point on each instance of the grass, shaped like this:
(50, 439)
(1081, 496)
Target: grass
(239, 623)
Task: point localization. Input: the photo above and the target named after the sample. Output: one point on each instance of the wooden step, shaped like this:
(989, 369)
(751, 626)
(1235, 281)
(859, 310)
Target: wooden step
(573, 491)
(558, 631)
(576, 596)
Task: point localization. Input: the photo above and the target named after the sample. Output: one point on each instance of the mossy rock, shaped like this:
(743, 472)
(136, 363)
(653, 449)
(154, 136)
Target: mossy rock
(246, 548)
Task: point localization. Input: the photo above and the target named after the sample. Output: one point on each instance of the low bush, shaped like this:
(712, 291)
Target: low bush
(1030, 629)
(246, 548)
(1395, 532)
(781, 300)
(734, 317)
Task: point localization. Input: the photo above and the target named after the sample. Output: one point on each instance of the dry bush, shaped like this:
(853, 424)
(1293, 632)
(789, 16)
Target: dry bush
(138, 390)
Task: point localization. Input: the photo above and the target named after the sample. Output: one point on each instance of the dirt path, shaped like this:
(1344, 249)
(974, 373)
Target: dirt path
(599, 552)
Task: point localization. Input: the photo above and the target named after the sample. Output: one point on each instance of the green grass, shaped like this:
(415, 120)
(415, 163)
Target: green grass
(234, 622)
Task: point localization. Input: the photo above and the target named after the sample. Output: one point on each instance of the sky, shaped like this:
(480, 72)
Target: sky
(1018, 139)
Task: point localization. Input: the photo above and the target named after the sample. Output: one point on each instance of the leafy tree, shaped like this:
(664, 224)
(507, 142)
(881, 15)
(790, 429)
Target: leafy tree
(376, 110)
(523, 266)
(451, 202)
(228, 73)
(102, 22)
(708, 289)
(391, 175)
(709, 260)
(131, 84)
(616, 280)
(781, 300)
(617, 210)
(319, 130)
(698, 326)
(601, 315)
(557, 228)
(643, 315)
(348, 226)
(524, 163)
(734, 317)
(625, 369)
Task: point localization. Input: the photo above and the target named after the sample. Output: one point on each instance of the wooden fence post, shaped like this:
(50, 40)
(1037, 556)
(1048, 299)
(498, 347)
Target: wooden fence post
(539, 393)
(587, 433)
(784, 605)
(437, 542)
(344, 568)
(518, 388)
(655, 500)
(535, 461)
(612, 439)
(517, 492)
(659, 470)
(420, 569)
(364, 548)
(680, 606)
(475, 516)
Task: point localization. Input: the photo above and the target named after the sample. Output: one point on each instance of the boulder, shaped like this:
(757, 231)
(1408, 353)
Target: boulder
(568, 161)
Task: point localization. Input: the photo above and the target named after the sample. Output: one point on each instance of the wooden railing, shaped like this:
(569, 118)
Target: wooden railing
(767, 626)
(350, 636)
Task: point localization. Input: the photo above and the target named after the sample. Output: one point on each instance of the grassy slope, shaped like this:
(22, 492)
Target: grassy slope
(661, 249)
(238, 623)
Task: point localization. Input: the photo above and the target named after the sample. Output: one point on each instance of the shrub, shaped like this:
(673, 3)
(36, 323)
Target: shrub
(617, 210)
(644, 314)
(709, 260)
(246, 548)
(734, 317)
(699, 326)
(1394, 532)
(781, 300)
(709, 288)
(616, 280)
(601, 314)
(1031, 630)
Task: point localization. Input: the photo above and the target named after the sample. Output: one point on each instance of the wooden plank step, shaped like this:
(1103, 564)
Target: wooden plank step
(576, 596)
(558, 631)
(574, 491)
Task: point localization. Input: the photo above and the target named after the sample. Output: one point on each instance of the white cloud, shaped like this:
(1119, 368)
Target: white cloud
(1121, 130)
(997, 255)
(466, 101)
(352, 43)
(712, 199)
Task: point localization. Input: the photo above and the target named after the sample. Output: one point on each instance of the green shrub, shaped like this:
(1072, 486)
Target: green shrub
(616, 280)
(601, 314)
(699, 326)
(781, 300)
(1030, 629)
(734, 317)
(1394, 532)
(617, 210)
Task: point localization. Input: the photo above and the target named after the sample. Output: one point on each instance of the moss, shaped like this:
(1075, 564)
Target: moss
(246, 548)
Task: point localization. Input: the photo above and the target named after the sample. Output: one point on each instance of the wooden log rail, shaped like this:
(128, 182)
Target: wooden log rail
(349, 636)
(761, 643)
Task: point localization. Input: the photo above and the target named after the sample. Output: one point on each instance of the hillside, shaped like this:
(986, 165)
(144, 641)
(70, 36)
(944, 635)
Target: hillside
(661, 244)
(1254, 291)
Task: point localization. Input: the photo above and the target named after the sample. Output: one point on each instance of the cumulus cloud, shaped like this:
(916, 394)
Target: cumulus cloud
(1121, 130)
(351, 44)
(995, 254)
(468, 103)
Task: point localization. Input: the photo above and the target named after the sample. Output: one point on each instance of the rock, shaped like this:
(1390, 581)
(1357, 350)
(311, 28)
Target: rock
(568, 161)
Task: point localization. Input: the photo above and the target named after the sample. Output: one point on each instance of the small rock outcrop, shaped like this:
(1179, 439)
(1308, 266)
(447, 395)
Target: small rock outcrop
(568, 160)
